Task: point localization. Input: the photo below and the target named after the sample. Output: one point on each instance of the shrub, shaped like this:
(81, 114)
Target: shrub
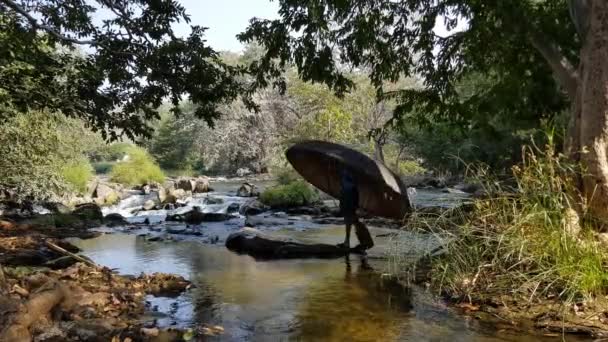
(409, 168)
(287, 175)
(139, 168)
(77, 174)
(294, 194)
(103, 168)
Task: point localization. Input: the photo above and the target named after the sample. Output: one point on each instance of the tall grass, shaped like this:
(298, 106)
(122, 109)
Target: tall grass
(77, 174)
(524, 240)
(139, 168)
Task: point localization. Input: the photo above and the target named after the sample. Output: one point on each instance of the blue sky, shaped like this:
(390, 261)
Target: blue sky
(225, 19)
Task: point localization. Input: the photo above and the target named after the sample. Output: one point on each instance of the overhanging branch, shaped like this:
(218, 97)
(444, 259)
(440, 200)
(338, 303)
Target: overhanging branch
(35, 24)
(564, 71)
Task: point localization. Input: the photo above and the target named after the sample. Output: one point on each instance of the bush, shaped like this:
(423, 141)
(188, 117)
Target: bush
(103, 168)
(286, 175)
(77, 174)
(110, 152)
(294, 194)
(139, 168)
(409, 168)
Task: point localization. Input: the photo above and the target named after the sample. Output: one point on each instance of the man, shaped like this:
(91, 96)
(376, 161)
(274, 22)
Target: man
(349, 203)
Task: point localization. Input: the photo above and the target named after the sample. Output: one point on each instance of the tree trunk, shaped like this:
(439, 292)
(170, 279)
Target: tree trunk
(378, 153)
(589, 125)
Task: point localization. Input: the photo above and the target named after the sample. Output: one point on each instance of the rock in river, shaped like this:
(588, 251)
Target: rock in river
(247, 190)
(252, 207)
(196, 216)
(253, 242)
(88, 212)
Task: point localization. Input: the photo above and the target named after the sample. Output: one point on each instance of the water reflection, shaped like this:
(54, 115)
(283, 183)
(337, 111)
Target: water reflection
(304, 300)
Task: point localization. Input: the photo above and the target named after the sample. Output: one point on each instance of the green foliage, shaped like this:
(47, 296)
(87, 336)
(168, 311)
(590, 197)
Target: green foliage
(286, 175)
(77, 174)
(173, 145)
(481, 82)
(34, 149)
(135, 52)
(399, 38)
(294, 194)
(330, 124)
(138, 169)
(528, 242)
(109, 152)
(103, 168)
(409, 168)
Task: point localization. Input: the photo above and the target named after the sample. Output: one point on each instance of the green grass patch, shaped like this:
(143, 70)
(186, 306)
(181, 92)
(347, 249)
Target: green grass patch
(139, 168)
(77, 174)
(294, 194)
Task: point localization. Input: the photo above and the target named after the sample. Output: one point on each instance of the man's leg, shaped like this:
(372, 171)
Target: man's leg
(347, 238)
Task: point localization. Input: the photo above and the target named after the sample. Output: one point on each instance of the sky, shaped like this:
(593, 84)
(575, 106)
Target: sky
(225, 19)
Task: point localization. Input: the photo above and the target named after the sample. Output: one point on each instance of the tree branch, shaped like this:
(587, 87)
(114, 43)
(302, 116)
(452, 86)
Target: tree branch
(35, 24)
(564, 71)
(579, 11)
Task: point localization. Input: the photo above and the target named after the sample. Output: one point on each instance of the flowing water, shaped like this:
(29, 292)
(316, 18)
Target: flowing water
(344, 299)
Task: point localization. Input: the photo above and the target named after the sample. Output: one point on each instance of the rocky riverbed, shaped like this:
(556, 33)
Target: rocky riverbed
(128, 250)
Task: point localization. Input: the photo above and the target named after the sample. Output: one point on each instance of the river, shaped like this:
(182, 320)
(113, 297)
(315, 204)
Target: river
(304, 300)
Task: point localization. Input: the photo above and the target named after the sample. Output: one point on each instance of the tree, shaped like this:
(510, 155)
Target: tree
(528, 48)
(133, 61)
(36, 149)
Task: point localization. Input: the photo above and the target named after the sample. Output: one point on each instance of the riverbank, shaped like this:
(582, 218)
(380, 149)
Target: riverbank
(523, 253)
(49, 293)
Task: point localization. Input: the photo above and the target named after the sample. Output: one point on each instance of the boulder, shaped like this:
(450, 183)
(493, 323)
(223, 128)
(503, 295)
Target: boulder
(247, 190)
(195, 216)
(186, 184)
(146, 189)
(169, 185)
(233, 208)
(104, 194)
(88, 212)
(149, 205)
(115, 219)
(253, 207)
(253, 242)
(163, 195)
(201, 185)
(242, 172)
(168, 195)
